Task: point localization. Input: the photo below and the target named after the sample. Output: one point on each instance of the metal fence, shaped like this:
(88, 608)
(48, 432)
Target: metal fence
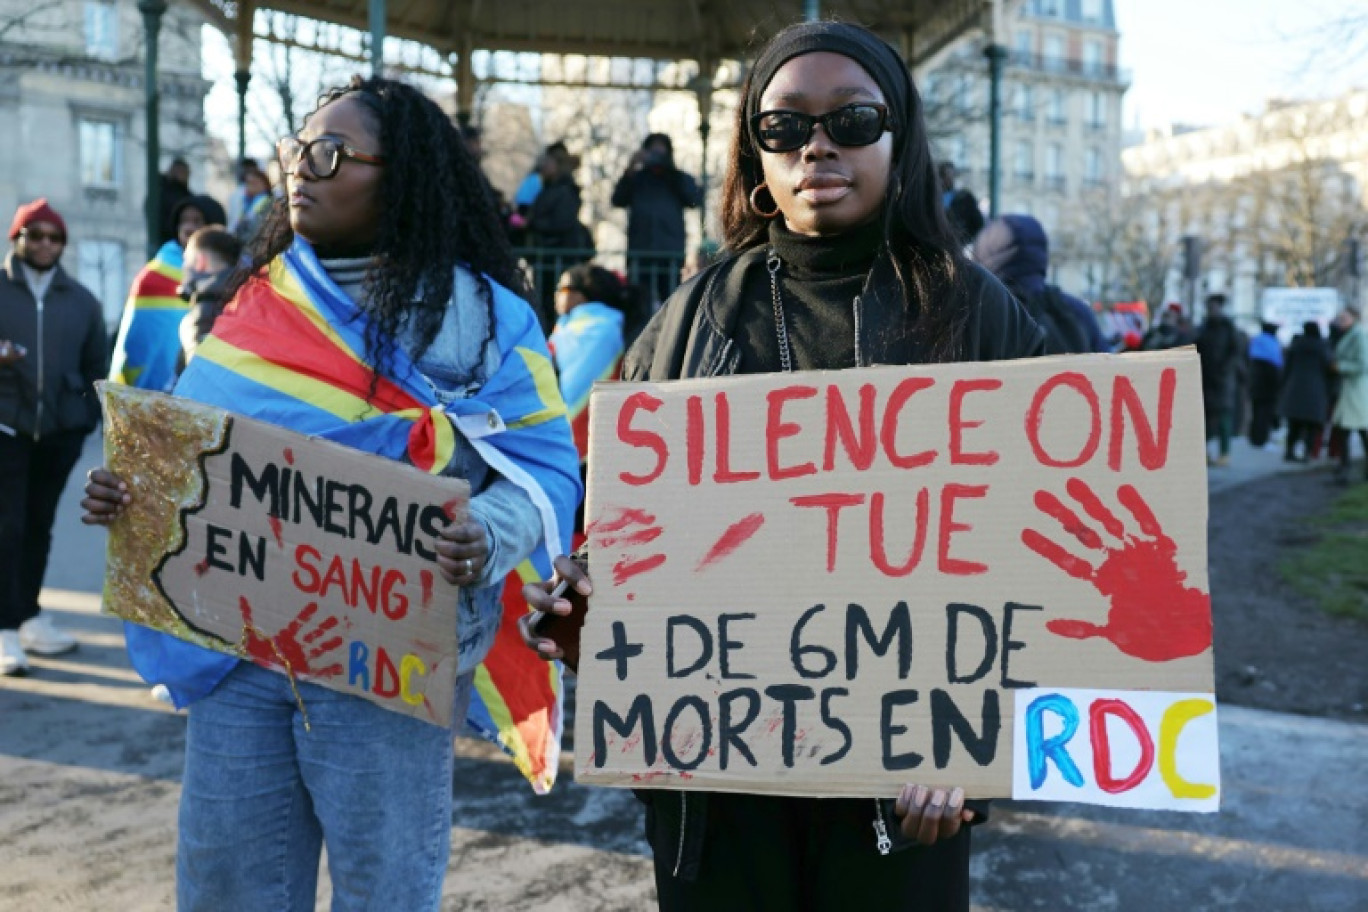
(656, 274)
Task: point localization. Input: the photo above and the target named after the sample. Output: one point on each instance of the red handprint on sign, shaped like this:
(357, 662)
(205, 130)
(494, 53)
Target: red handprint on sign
(1153, 615)
(290, 649)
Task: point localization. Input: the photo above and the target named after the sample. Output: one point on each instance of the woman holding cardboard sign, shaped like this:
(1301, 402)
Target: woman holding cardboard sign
(841, 258)
(377, 312)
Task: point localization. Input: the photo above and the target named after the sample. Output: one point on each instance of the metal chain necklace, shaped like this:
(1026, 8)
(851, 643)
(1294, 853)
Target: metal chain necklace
(772, 263)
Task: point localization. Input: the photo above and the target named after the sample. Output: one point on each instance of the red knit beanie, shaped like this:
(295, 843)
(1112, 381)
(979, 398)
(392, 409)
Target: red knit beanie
(36, 211)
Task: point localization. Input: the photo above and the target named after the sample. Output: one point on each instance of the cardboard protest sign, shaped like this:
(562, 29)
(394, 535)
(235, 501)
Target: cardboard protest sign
(295, 553)
(835, 583)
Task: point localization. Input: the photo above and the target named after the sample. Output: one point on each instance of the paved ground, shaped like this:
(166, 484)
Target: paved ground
(90, 767)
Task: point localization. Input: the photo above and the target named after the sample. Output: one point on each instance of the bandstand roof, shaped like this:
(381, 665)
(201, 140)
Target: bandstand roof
(704, 30)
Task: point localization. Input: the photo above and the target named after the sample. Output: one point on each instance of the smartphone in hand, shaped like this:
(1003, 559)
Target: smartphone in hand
(564, 630)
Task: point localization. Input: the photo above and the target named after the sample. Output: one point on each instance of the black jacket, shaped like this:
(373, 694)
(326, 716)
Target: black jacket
(693, 335)
(657, 201)
(1306, 381)
(1218, 343)
(52, 387)
(554, 218)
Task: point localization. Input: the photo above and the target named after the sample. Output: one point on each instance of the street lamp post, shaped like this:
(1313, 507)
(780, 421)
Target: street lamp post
(152, 12)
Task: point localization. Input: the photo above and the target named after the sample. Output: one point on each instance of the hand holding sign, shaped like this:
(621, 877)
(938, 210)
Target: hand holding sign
(1153, 616)
(293, 648)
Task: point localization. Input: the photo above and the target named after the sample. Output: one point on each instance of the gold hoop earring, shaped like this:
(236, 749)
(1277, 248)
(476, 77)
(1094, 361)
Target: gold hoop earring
(756, 209)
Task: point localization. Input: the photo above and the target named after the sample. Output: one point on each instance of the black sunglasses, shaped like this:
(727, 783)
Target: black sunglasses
(852, 125)
(324, 155)
(37, 237)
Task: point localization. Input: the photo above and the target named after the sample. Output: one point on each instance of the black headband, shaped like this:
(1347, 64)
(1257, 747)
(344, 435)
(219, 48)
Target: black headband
(859, 44)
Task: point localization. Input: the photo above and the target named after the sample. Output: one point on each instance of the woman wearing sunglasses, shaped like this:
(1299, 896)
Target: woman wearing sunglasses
(841, 258)
(377, 304)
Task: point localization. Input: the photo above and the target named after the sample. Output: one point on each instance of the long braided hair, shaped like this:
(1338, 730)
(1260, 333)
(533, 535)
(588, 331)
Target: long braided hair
(439, 213)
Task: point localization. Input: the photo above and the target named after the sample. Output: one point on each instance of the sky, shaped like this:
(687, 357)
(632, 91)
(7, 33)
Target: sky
(1209, 61)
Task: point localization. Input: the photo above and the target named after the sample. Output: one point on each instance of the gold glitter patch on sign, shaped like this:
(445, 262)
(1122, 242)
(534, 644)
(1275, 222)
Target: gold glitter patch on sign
(157, 445)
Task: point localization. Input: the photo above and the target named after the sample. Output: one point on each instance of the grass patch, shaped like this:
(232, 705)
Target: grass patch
(1333, 570)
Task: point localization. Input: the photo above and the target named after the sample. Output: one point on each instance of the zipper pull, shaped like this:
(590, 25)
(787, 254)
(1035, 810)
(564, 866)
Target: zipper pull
(881, 841)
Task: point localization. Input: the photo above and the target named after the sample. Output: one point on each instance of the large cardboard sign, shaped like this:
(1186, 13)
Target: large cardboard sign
(835, 583)
(292, 552)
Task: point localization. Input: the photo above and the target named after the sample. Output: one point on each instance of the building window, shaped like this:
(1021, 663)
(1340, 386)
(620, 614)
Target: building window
(1097, 111)
(100, 267)
(1049, 8)
(1024, 166)
(1024, 45)
(1054, 52)
(1054, 166)
(1092, 10)
(1092, 58)
(1092, 165)
(100, 163)
(102, 29)
(1025, 102)
(1056, 112)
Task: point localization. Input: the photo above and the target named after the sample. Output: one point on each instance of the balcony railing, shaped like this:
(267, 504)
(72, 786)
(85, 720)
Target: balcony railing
(1069, 66)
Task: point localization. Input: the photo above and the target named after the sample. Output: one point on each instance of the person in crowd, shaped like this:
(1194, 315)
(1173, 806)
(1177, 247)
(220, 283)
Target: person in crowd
(211, 256)
(1219, 347)
(555, 226)
(257, 200)
(388, 241)
(1265, 380)
(1306, 391)
(237, 200)
(147, 347)
(655, 193)
(961, 206)
(175, 186)
(597, 316)
(1171, 330)
(1016, 249)
(52, 350)
(1351, 409)
(839, 255)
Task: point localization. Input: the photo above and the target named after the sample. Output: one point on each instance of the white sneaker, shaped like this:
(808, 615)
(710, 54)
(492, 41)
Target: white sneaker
(13, 662)
(162, 694)
(38, 636)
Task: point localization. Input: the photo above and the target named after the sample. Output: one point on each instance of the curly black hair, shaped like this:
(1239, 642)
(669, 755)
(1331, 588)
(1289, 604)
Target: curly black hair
(439, 213)
(925, 255)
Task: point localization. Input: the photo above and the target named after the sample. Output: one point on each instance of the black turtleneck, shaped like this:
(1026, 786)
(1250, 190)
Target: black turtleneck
(818, 283)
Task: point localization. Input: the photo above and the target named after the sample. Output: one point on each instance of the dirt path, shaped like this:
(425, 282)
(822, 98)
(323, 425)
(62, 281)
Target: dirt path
(1274, 648)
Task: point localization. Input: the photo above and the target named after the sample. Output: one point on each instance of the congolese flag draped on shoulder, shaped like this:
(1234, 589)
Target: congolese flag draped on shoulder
(149, 340)
(586, 346)
(290, 351)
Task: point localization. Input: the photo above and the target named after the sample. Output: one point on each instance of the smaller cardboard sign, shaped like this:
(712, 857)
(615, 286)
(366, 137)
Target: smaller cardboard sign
(1135, 749)
(295, 553)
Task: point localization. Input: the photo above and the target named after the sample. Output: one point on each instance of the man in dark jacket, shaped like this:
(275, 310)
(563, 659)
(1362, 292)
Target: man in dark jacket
(52, 350)
(1016, 249)
(1218, 343)
(656, 193)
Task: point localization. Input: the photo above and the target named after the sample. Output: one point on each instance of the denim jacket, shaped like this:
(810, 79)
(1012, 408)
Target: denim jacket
(455, 365)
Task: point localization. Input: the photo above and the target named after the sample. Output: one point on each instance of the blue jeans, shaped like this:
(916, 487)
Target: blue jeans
(261, 796)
